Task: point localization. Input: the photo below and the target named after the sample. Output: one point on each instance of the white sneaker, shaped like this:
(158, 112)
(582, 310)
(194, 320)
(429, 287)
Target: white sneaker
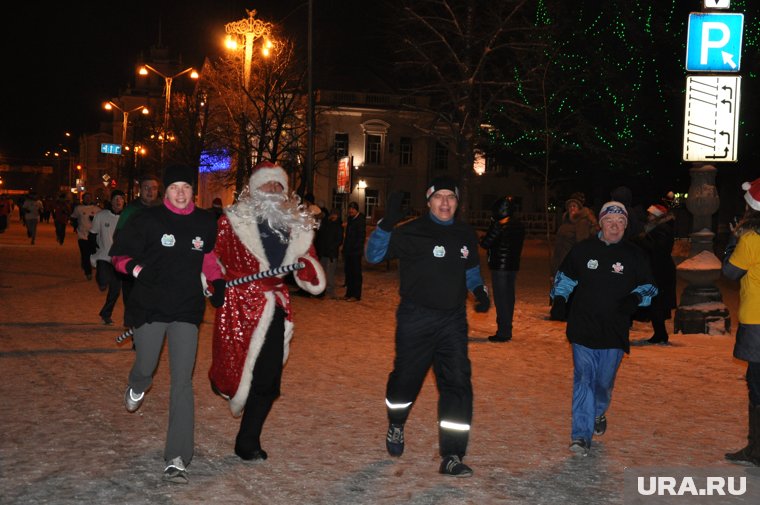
(175, 471)
(133, 401)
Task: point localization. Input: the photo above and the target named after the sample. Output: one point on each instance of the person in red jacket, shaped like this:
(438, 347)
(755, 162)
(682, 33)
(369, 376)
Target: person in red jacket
(265, 229)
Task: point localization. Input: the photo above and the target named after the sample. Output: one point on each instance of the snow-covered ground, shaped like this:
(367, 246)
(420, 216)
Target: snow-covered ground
(65, 437)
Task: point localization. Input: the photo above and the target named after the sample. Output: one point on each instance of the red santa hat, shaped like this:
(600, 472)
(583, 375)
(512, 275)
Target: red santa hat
(657, 210)
(752, 195)
(266, 171)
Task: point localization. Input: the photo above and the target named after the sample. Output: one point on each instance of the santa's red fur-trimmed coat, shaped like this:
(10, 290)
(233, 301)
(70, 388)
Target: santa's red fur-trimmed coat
(241, 323)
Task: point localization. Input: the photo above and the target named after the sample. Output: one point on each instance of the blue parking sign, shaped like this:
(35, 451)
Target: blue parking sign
(714, 42)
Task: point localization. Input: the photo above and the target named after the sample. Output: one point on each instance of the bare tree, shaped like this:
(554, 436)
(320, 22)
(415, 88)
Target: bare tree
(264, 121)
(189, 122)
(456, 52)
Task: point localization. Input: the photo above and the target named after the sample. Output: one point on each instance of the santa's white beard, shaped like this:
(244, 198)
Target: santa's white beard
(282, 213)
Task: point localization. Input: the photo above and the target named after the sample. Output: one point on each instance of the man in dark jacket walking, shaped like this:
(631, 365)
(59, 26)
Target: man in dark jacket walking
(353, 250)
(504, 241)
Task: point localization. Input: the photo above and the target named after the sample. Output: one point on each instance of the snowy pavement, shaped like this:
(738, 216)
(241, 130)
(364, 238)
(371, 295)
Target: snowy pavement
(65, 437)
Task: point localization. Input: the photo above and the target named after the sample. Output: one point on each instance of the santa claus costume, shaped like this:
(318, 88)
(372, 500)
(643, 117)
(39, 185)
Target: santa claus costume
(252, 330)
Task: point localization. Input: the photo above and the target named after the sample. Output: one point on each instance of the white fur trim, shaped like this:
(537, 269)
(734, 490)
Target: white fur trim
(297, 247)
(250, 238)
(262, 175)
(751, 201)
(752, 196)
(238, 401)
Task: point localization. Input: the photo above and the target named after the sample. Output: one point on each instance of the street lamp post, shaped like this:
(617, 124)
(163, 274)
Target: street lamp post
(250, 29)
(109, 105)
(168, 93)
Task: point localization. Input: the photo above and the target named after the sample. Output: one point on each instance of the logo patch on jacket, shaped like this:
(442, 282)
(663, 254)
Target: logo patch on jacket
(168, 240)
(198, 244)
(465, 252)
(439, 251)
(592, 264)
(617, 268)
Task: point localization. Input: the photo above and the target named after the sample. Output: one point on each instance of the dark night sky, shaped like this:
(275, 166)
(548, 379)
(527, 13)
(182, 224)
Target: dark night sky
(60, 64)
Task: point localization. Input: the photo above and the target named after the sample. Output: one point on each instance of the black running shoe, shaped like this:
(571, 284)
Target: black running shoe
(452, 465)
(175, 471)
(394, 440)
(600, 425)
(580, 447)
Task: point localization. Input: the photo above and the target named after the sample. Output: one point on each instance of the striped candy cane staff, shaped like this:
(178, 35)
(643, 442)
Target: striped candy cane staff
(235, 282)
(121, 338)
(261, 275)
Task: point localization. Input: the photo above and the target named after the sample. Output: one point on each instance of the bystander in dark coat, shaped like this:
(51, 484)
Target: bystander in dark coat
(328, 242)
(353, 250)
(657, 241)
(504, 242)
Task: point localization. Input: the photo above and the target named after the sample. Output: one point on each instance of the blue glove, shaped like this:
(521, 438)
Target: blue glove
(217, 297)
(483, 302)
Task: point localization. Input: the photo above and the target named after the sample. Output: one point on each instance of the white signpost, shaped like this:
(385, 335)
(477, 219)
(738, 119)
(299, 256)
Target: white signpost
(711, 120)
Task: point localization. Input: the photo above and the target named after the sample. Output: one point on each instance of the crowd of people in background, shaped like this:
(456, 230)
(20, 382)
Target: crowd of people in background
(606, 270)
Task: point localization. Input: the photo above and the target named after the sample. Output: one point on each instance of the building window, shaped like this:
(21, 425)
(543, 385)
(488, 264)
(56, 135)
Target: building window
(370, 203)
(440, 157)
(340, 145)
(339, 201)
(373, 149)
(405, 151)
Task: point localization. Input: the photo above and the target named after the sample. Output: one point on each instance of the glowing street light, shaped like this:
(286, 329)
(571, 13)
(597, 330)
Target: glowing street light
(168, 94)
(109, 105)
(250, 29)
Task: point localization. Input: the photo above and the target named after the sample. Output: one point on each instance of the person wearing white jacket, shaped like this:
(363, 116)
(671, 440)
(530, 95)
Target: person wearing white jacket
(101, 240)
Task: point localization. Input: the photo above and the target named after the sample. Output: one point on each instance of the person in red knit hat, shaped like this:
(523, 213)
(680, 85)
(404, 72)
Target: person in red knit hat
(265, 229)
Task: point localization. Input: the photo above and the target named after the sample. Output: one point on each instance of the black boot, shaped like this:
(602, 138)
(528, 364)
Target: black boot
(660, 333)
(248, 441)
(751, 453)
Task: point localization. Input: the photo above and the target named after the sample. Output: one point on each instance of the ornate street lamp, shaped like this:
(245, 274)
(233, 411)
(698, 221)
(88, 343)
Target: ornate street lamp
(250, 29)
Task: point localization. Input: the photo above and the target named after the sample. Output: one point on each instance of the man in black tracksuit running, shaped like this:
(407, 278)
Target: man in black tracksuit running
(438, 263)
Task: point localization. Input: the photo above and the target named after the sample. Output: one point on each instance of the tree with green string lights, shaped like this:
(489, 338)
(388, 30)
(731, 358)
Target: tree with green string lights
(605, 96)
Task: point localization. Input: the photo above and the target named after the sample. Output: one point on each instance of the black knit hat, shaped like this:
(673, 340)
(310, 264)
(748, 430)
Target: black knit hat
(503, 208)
(179, 173)
(440, 183)
(577, 198)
